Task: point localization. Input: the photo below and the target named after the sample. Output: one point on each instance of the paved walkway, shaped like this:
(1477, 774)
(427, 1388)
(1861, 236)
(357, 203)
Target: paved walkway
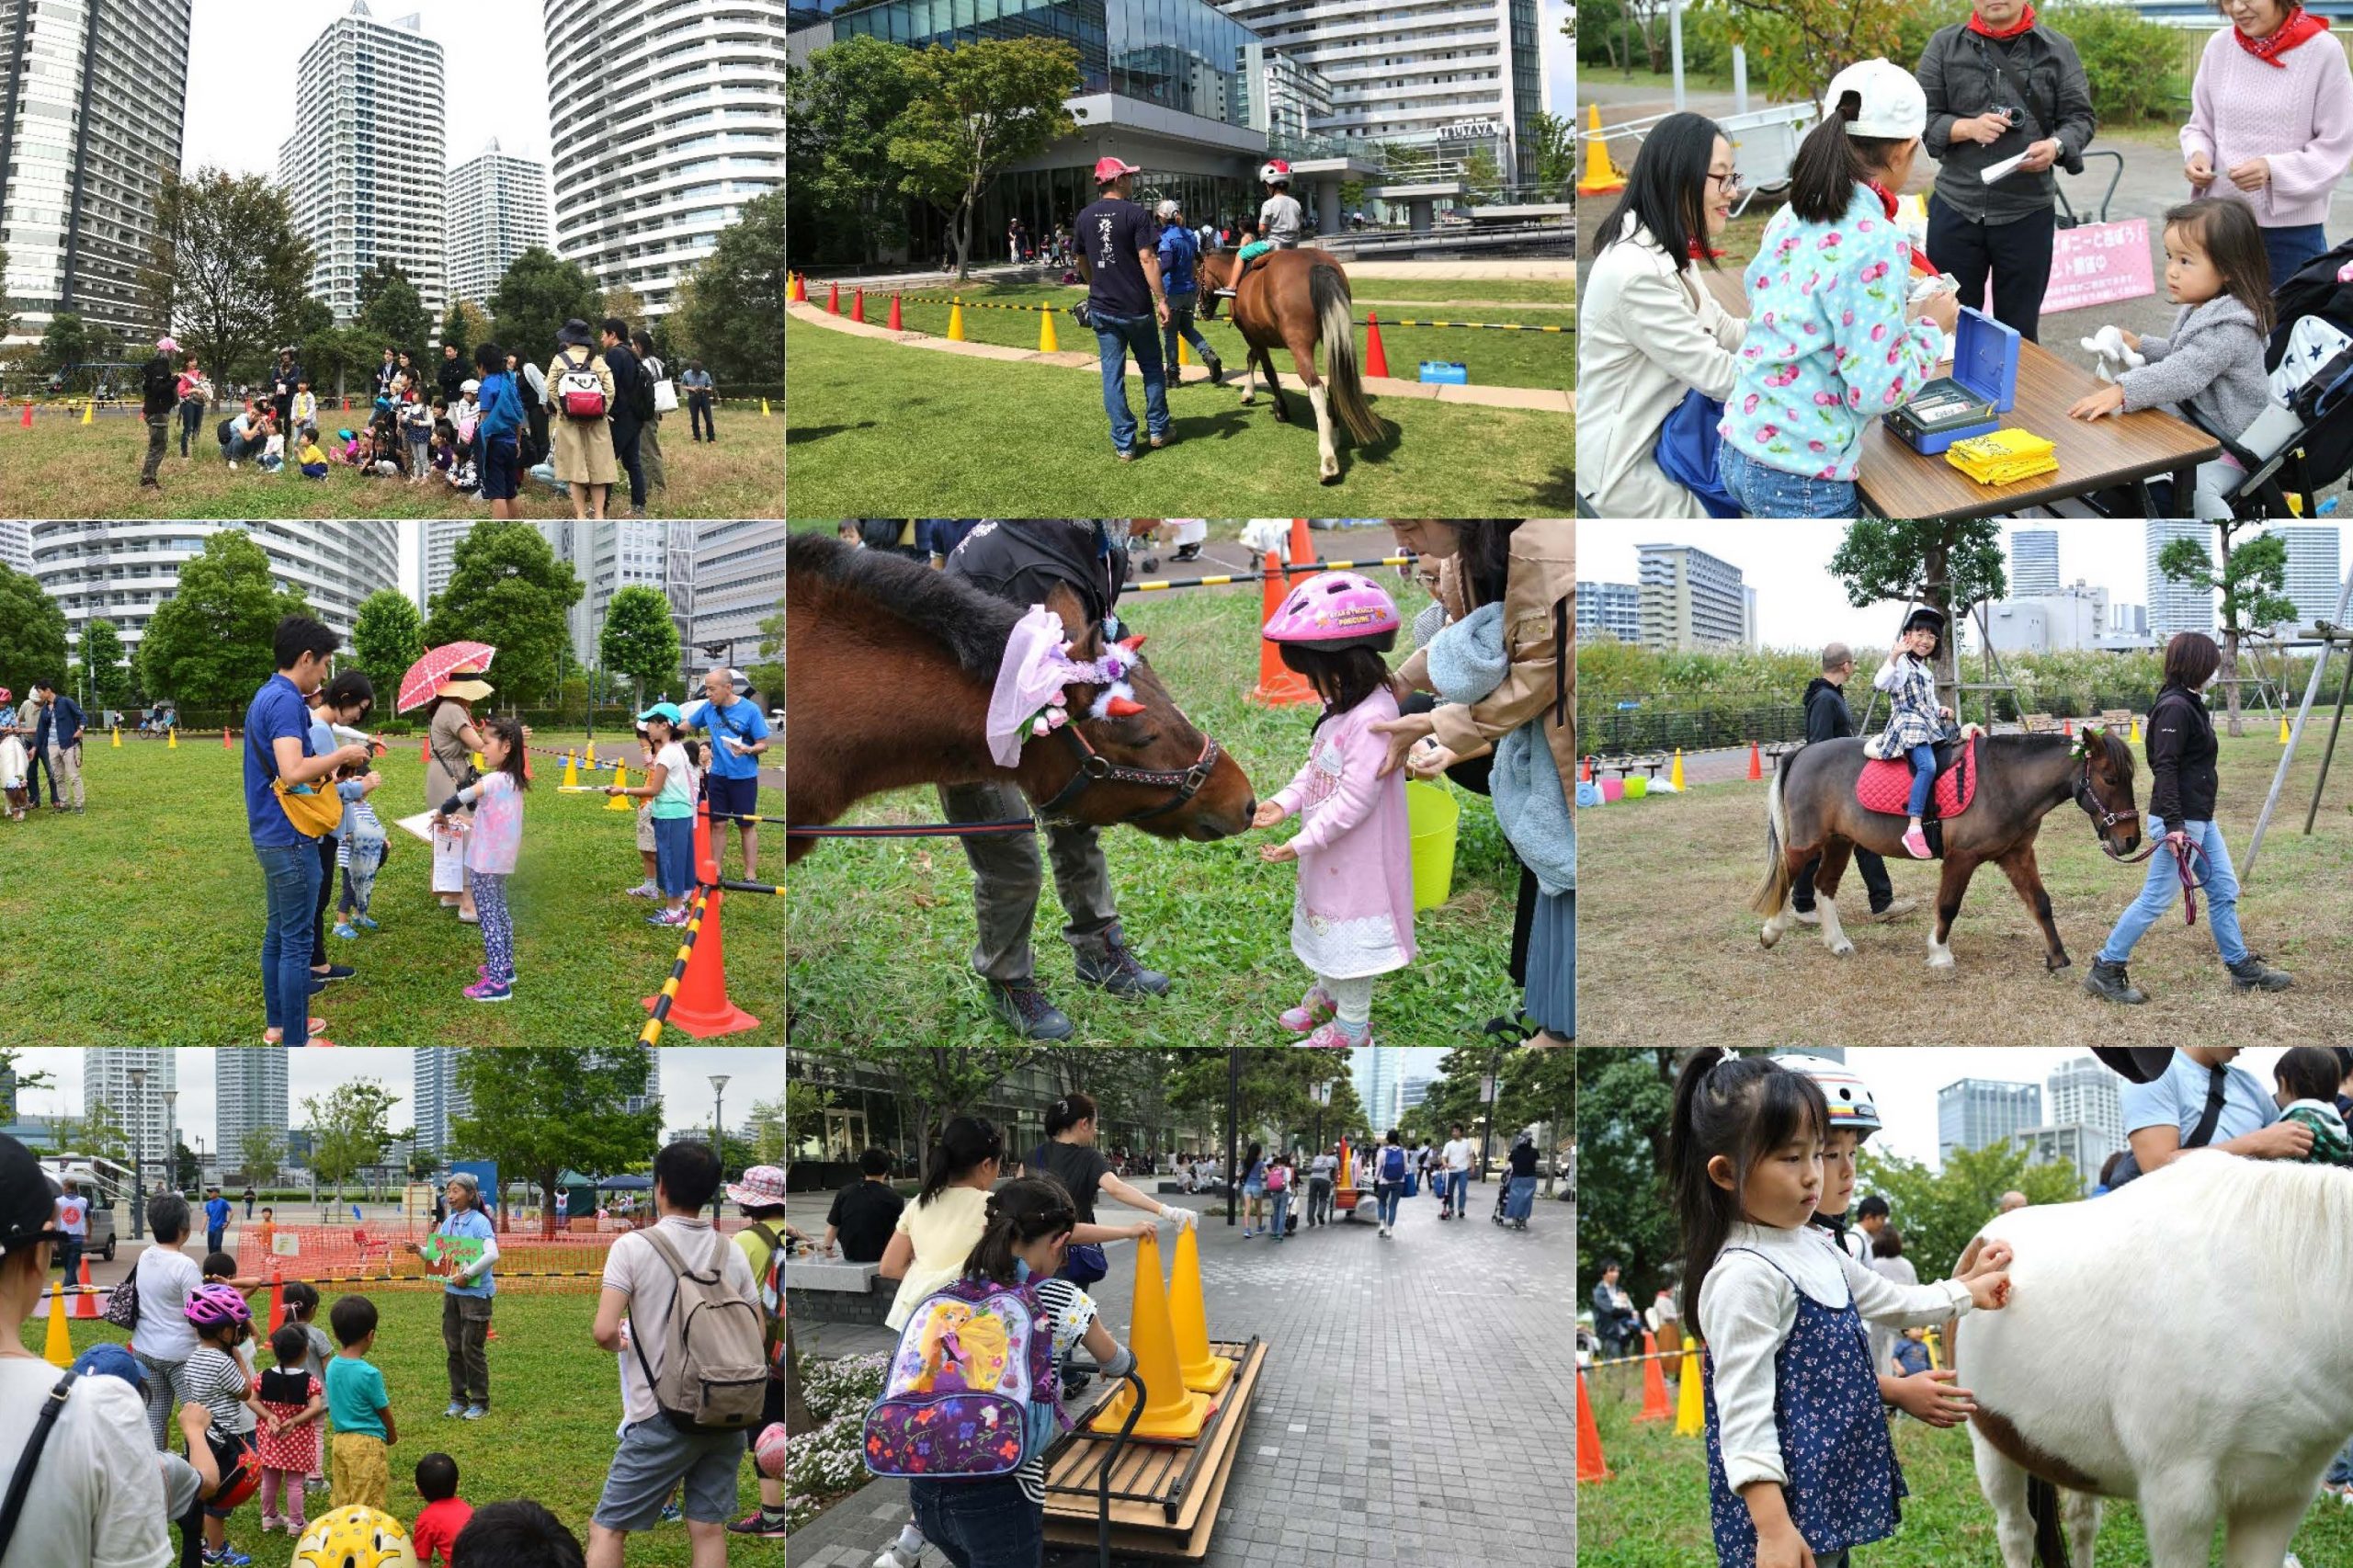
(1416, 1405)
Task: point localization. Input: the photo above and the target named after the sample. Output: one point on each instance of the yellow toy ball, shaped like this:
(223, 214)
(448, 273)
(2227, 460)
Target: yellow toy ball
(355, 1537)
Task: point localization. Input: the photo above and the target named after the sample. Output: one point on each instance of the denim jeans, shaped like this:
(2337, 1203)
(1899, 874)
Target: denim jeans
(2288, 249)
(2340, 1469)
(1923, 778)
(1180, 324)
(1282, 1211)
(1114, 337)
(980, 1524)
(1458, 1186)
(2163, 886)
(1388, 1193)
(1765, 492)
(290, 882)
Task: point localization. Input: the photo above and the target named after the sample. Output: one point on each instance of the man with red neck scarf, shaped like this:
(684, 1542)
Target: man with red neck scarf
(1999, 85)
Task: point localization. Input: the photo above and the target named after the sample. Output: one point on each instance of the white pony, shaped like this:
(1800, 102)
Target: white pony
(2186, 1341)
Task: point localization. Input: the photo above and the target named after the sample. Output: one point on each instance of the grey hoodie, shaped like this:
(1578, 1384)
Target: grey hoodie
(2212, 364)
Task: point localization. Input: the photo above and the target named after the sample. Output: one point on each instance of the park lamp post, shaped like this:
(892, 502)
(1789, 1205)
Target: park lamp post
(137, 1178)
(719, 1142)
(171, 1122)
(1323, 1093)
(1233, 1127)
(1487, 1088)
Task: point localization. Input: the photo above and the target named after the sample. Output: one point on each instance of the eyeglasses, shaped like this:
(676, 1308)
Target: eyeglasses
(1730, 182)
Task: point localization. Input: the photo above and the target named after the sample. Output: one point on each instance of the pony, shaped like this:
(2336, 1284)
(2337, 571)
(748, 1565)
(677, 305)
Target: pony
(1811, 809)
(892, 664)
(1295, 298)
(2183, 1341)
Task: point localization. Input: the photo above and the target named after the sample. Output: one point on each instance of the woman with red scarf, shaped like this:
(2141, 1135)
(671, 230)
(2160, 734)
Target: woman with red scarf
(2001, 87)
(2271, 124)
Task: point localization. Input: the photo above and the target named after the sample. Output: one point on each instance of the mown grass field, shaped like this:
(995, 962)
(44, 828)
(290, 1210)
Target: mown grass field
(139, 921)
(1653, 1513)
(63, 469)
(1665, 932)
(882, 428)
(881, 931)
(554, 1404)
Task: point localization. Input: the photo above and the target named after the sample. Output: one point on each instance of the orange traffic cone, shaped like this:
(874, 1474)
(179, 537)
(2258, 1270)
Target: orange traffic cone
(1756, 762)
(1588, 771)
(1376, 358)
(1279, 686)
(29, 414)
(225, 745)
(2068, 727)
(1590, 1464)
(86, 1302)
(1189, 1319)
(1653, 1383)
(858, 305)
(425, 753)
(699, 1005)
(58, 1350)
(277, 1302)
(1171, 1410)
(893, 321)
(833, 299)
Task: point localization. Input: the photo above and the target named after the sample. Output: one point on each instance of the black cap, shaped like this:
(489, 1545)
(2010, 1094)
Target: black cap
(1927, 616)
(2138, 1063)
(28, 1200)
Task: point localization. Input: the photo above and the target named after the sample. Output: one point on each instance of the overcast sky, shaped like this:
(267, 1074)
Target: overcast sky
(1801, 604)
(683, 1076)
(242, 62)
(1558, 53)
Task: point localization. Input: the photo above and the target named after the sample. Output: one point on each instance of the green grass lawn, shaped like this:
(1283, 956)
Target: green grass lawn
(882, 930)
(882, 428)
(554, 1404)
(1653, 1513)
(139, 921)
(63, 469)
(1493, 359)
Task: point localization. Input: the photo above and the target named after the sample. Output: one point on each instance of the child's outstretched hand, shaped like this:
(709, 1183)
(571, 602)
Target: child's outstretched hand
(1277, 854)
(1269, 814)
(1933, 1397)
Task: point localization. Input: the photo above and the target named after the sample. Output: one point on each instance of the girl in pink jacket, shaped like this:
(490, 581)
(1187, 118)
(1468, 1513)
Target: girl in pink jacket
(1354, 917)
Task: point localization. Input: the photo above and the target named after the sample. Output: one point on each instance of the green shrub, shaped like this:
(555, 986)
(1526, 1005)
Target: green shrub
(2137, 69)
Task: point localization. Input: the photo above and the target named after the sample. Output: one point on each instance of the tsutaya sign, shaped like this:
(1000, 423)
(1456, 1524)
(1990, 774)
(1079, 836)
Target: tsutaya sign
(1470, 129)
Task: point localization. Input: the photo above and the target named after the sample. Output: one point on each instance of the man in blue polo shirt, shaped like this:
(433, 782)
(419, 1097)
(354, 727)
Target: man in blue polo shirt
(738, 736)
(2163, 1115)
(278, 746)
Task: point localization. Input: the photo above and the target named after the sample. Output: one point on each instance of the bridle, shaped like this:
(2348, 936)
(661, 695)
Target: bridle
(1094, 767)
(2104, 820)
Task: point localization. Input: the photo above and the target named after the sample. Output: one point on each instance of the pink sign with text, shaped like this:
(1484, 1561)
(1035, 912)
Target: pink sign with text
(2098, 263)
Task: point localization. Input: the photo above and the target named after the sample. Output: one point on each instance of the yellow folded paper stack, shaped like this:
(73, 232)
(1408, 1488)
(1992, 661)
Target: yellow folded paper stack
(2003, 458)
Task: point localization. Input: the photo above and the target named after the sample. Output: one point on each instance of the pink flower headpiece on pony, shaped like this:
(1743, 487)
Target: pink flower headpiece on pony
(1029, 700)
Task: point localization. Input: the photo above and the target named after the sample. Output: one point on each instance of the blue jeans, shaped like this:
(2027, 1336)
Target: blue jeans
(673, 855)
(2164, 885)
(1282, 1211)
(291, 881)
(2288, 249)
(1458, 1185)
(1765, 492)
(2340, 1469)
(1923, 778)
(1180, 324)
(1114, 337)
(980, 1524)
(1386, 1194)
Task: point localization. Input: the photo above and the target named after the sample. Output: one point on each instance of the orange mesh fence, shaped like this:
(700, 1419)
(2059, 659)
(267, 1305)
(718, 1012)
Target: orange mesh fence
(565, 1262)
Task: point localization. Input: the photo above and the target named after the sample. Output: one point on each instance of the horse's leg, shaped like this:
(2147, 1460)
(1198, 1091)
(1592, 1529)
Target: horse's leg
(1249, 372)
(1793, 857)
(1273, 385)
(2004, 1484)
(1958, 870)
(1302, 353)
(2256, 1535)
(1835, 852)
(2079, 1516)
(2178, 1509)
(2025, 876)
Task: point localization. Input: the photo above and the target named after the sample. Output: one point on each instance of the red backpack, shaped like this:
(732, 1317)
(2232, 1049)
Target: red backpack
(580, 394)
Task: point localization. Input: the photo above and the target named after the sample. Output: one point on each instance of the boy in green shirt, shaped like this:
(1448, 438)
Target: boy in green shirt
(360, 1409)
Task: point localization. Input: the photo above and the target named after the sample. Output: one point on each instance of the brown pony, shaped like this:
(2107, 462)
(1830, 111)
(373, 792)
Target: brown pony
(892, 664)
(1295, 298)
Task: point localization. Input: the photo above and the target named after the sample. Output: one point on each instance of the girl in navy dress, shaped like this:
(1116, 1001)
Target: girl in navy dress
(1799, 1467)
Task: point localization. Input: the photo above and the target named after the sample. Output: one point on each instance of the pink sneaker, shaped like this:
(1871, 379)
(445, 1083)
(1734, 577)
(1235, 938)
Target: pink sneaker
(1916, 844)
(489, 991)
(270, 1522)
(1314, 1008)
(1330, 1037)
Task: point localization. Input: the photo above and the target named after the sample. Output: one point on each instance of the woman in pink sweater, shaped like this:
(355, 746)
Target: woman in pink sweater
(1353, 919)
(2271, 124)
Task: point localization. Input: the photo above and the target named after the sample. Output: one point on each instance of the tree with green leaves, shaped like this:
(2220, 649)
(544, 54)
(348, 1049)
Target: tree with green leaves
(101, 654)
(391, 310)
(840, 113)
(1553, 139)
(332, 356)
(387, 637)
(1938, 1212)
(2252, 581)
(768, 675)
(975, 111)
(1482, 176)
(1624, 1102)
(456, 329)
(1275, 1098)
(1953, 566)
(66, 343)
(210, 645)
(186, 1166)
(350, 1129)
(732, 315)
(540, 1110)
(32, 632)
(535, 298)
(930, 1083)
(638, 638)
(227, 268)
(100, 1134)
(257, 1154)
(506, 588)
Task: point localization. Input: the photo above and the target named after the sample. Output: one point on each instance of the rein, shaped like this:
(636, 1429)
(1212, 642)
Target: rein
(2103, 820)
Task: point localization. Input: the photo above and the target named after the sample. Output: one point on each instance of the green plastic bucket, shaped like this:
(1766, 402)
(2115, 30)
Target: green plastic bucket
(1431, 817)
(1637, 787)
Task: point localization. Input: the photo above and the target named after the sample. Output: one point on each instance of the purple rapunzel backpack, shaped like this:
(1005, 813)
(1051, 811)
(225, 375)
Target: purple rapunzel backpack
(971, 1391)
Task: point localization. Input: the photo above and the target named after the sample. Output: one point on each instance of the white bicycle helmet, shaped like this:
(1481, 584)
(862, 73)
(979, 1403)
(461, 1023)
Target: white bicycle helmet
(1274, 171)
(1851, 1107)
(1166, 209)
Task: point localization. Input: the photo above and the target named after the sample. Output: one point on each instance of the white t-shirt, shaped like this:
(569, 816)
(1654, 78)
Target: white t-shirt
(73, 1214)
(1458, 1154)
(98, 1495)
(166, 1276)
(633, 1267)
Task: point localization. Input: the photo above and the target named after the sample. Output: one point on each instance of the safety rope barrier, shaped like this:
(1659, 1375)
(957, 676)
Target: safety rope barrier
(732, 885)
(1221, 579)
(1052, 310)
(661, 1015)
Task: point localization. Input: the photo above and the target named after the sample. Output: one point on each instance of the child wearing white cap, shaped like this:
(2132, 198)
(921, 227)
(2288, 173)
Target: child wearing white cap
(1832, 342)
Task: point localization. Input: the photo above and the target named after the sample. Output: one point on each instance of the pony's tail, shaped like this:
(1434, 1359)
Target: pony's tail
(1327, 289)
(1774, 891)
(2050, 1539)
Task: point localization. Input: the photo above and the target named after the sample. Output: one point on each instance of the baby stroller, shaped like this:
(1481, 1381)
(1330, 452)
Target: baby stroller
(2304, 442)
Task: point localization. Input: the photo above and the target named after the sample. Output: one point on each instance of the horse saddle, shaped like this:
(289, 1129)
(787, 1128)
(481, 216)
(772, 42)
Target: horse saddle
(1887, 786)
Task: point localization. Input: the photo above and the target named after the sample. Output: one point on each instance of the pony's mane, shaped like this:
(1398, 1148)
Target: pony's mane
(973, 626)
(2287, 1207)
(2119, 756)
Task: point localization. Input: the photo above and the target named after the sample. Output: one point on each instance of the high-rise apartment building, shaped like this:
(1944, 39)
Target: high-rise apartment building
(248, 1094)
(137, 1108)
(498, 209)
(739, 582)
(2314, 577)
(1973, 1113)
(2034, 562)
(609, 555)
(16, 544)
(121, 572)
(1377, 1075)
(666, 120)
(2173, 606)
(365, 168)
(1609, 610)
(1690, 599)
(438, 1099)
(440, 556)
(92, 96)
(2084, 1092)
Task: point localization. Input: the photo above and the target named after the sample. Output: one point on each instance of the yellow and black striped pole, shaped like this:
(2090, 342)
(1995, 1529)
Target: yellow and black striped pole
(652, 1029)
(1220, 581)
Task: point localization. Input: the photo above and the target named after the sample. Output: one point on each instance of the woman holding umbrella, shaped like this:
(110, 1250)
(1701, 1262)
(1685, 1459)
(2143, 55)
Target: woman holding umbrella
(447, 683)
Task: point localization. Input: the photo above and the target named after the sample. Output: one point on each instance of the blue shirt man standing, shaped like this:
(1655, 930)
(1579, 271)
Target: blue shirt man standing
(738, 735)
(1179, 249)
(2163, 1115)
(216, 1219)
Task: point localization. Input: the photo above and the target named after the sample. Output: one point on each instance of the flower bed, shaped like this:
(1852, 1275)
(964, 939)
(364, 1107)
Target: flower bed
(829, 1464)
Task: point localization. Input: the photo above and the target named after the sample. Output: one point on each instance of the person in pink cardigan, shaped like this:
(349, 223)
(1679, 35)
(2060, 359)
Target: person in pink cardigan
(1353, 919)
(2271, 124)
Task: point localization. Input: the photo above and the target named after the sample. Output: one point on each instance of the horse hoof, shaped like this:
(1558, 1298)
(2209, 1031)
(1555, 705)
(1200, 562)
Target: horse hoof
(1333, 477)
(2053, 966)
(1940, 961)
(1767, 936)
(1842, 949)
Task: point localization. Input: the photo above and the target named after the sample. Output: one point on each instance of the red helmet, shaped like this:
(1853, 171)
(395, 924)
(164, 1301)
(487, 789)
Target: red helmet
(1274, 171)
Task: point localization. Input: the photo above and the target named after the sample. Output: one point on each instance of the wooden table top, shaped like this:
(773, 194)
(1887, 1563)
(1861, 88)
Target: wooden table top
(1897, 482)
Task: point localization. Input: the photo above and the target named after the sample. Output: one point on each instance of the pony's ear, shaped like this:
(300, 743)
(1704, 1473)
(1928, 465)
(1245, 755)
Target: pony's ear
(1063, 600)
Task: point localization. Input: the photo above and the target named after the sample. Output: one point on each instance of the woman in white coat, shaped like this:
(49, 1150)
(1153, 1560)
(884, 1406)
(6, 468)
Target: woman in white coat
(1649, 330)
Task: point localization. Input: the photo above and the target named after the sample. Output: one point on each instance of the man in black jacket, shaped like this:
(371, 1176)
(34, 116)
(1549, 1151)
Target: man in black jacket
(159, 394)
(1828, 718)
(633, 405)
(1021, 562)
(451, 375)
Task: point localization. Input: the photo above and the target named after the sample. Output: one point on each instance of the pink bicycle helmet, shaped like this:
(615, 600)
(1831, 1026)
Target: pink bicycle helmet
(210, 1306)
(1336, 610)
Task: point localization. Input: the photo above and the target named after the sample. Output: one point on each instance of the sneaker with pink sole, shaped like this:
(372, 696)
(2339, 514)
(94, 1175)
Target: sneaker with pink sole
(1916, 844)
(1331, 1037)
(1314, 1008)
(488, 990)
(642, 889)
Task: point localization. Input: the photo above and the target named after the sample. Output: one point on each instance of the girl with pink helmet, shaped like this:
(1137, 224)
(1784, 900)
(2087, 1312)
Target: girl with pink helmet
(1353, 917)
